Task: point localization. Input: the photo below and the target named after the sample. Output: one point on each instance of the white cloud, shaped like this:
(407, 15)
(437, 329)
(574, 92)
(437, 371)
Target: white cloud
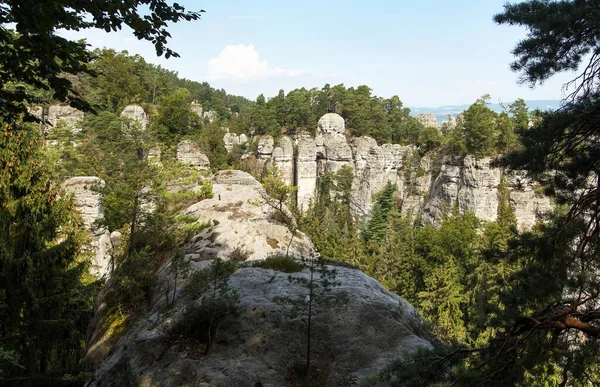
(242, 62)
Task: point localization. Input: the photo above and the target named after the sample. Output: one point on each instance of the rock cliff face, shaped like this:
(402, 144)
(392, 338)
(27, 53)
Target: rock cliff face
(88, 202)
(136, 113)
(189, 152)
(426, 187)
(357, 329)
(55, 113)
(427, 119)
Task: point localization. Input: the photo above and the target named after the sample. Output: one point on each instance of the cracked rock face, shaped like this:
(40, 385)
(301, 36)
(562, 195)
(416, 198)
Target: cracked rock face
(332, 123)
(136, 113)
(425, 187)
(362, 329)
(88, 202)
(188, 152)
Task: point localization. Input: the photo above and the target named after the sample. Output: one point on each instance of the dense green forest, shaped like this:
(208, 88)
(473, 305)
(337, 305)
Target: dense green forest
(509, 308)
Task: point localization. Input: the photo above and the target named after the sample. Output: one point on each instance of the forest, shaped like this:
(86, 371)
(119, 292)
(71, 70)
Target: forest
(509, 307)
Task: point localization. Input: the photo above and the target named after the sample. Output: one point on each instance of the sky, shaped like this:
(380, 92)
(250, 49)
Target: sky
(428, 52)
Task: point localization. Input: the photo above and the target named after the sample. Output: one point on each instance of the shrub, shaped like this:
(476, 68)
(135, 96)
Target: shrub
(219, 304)
(200, 280)
(281, 263)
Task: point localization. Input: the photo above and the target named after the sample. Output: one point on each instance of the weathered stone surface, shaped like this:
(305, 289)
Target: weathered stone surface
(210, 115)
(136, 113)
(230, 178)
(331, 123)
(242, 218)
(283, 157)
(306, 171)
(265, 146)
(375, 167)
(88, 198)
(189, 152)
(469, 183)
(529, 206)
(232, 139)
(55, 113)
(428, 120)
(88, 202)
(197, 108)
(362, 329)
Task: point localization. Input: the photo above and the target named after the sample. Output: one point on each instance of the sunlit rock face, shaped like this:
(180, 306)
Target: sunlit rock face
(428, 120)
(358, 325)
(136, 113)
(331, 123)
(426, 187)
(54, 114)
(188, 152)
(86, 191)
(283, 158)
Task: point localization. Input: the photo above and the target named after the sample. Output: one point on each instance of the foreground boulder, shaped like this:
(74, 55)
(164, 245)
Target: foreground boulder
(362, 329)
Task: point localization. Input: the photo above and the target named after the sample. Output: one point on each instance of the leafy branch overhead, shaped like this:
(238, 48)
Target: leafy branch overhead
(36, 56)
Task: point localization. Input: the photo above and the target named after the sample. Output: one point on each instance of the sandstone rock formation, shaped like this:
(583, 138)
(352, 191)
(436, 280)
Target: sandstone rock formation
(232, 139)
(88, 202)
(363, 328)
(425, 187)
(55, 113)
(189, 152)
(359, 330)
(283, 158)
(242, 218)
(136, 113)
(332, 123)
(428, 120)
(197, 108)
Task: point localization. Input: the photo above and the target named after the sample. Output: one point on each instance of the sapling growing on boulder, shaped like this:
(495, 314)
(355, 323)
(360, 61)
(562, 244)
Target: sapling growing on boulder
(319, 283)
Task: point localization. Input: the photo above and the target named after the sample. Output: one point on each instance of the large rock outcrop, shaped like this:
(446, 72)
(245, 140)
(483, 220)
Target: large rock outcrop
(86, 191)
(425, 186)
(362, 329)
(358, 327)
(429, 120)
(241, 217)
(137, 114)
(188, 152)
(55, 113)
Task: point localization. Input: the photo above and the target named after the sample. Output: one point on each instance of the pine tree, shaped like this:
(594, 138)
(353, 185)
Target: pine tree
(44, 304)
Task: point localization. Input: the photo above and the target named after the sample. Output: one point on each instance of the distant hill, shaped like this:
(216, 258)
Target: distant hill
(442, 112)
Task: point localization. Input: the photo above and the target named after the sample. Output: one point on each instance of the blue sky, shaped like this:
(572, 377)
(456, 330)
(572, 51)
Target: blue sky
(428, 52)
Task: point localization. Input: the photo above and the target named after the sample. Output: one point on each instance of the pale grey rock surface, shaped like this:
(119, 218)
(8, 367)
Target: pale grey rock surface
(136, 113)
(331, 123)
(67, 114)
(86, 191)
(428, 120)
(189, 152)
(360, 330)
(306, 171)
(232, 139)
(283, 158)
(240, 217)
(424, 186)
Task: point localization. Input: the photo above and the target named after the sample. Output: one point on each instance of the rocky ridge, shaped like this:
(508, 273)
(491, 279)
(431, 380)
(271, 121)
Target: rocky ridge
(357, 330)
(426, 187)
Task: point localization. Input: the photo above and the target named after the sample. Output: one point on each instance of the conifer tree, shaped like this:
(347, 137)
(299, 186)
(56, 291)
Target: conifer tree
(44, 304)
